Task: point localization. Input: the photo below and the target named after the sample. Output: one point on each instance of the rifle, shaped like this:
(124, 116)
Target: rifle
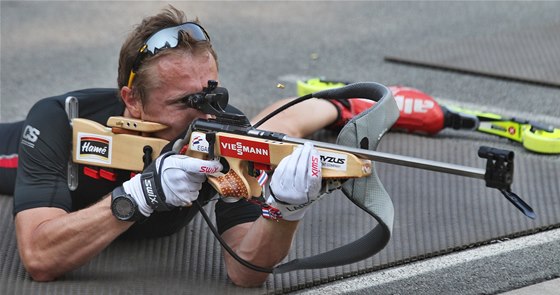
(247, 151)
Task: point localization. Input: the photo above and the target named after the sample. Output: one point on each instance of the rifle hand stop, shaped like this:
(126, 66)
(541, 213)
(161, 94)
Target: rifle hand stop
(499, 175)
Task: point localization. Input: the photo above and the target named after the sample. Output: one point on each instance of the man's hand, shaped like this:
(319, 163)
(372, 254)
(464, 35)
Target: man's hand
(296, 182)
(170, 181)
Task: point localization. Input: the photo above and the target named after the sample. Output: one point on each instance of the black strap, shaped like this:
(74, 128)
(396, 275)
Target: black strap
(226, 246)
(151, 185)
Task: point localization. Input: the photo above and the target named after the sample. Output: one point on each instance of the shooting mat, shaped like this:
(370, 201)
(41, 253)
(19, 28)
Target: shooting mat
(524, 54)
(435, 214)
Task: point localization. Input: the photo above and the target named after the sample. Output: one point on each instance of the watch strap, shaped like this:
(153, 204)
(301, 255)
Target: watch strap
(120, 192)
(151, 185)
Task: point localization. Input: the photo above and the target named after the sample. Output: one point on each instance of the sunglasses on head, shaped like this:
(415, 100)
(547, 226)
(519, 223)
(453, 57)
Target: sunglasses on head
(166, 38)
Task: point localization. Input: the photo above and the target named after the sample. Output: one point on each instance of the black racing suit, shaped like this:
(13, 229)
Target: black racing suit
(44, 140)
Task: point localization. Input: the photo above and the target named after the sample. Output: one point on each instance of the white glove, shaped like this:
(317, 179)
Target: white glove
(170, 181)
(296, 182)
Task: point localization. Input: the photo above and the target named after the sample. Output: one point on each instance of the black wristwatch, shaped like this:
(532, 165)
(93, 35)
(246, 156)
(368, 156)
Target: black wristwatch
(124, 207)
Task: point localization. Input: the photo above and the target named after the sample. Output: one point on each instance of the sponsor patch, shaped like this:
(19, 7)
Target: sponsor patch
(244, 149)
(94, 148)
(333, 161)
(198, 142)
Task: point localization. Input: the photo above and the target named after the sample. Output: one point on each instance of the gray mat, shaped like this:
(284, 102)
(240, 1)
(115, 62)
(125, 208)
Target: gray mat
(435, 213)
(527, 55)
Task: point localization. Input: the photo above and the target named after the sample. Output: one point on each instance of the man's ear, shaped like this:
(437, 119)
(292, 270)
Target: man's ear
(133, 105)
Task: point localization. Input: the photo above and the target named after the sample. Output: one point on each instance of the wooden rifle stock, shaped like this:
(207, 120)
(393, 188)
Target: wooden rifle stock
(122, 147)
(119, 147)
(247, 155)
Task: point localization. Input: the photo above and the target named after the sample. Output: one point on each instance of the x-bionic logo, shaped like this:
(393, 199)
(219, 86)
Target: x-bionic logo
(30, 136)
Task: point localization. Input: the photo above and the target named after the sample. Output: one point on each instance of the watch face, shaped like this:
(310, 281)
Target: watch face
(123, 208)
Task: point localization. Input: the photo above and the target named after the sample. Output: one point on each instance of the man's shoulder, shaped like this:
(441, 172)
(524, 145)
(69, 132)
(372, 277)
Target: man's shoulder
(94, 92)
(83, 94)
(86, 94)
(92, 103)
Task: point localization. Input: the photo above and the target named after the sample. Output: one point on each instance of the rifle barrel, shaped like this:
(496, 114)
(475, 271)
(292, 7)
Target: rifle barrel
(398, 159)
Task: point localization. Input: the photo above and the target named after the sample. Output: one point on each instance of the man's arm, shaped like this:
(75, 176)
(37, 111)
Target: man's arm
(303, 119)
(264, 243)
(52, 242)
(294, 187)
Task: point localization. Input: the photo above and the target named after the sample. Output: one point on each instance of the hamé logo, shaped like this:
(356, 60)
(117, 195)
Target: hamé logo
(93, 148)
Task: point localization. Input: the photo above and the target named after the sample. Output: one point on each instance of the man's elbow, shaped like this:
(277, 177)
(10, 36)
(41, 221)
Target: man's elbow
(247, 280)
(39, 271)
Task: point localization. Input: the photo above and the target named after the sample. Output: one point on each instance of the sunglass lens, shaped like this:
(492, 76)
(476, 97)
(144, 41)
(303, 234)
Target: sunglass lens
(166, 38)
(194, 31)
(169, 38)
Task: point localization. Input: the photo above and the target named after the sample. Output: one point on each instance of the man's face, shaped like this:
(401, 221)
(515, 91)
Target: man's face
(179, 76)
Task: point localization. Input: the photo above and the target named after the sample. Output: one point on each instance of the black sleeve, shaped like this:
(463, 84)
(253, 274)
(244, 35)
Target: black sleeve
(10, 134)
(43, 157)
(229, 215)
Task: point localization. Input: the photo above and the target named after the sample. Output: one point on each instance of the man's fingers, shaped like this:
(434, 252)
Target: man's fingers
(298, 160)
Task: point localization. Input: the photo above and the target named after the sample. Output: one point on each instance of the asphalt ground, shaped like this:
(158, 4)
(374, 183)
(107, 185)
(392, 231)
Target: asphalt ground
(519, 262)
(48, 48)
